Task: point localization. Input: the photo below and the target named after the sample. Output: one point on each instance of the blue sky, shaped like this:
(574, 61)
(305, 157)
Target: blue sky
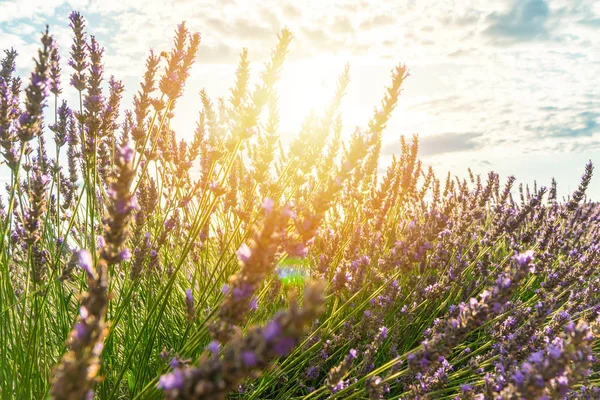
(510, 86)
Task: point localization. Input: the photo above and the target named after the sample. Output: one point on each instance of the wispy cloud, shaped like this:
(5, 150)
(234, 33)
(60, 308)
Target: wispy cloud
(526, 20)
(443, 143)
(510, 76)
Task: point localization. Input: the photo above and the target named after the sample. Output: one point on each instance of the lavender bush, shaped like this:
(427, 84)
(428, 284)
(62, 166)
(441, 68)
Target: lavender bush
(273, 273)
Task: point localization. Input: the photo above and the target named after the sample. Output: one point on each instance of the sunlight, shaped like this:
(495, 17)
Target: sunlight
(307, 85)
(261, 257)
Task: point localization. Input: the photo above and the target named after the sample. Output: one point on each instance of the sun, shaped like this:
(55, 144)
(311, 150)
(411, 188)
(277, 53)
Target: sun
(307, 86)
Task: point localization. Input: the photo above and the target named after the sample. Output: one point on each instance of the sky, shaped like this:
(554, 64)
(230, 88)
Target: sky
(509, 86)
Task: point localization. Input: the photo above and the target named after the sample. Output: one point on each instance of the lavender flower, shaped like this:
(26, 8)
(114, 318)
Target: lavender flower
(76, 374)
(120, 209)
(189, 306)
(256, 261)
(55, 70)
(550, 373)
(78, 51)
(334, 380)
(31, 119)
(214, 377)
(62, 125)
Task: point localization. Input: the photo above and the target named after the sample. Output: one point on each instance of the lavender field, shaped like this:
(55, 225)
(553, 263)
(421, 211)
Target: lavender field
(136, 265)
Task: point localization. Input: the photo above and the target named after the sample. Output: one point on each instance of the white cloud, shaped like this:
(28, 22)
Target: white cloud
(476, 66)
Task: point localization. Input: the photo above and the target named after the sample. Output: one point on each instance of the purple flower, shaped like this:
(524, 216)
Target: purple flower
(127, 153)
(86, 262)
(268, 204)
(383, 332)
(176, 363)
(297, 250)
(289, 212)
(554, 351)
(213, 347)
(312, 372)
(244, 253)
(562, 380)
(570, 327)
(524, 258)
(172, 381)
(249, 358)
(536, 357)
(284, 346)
(243, 292)
(339, 386)
(272, 330)
(254, 304)
(518, 377)
(225, 289)
(125, 255)
(81, 330)
(24, 118)
(352, 354)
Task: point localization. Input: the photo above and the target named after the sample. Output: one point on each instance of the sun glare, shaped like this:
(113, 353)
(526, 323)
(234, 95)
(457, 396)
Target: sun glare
(306, 86)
